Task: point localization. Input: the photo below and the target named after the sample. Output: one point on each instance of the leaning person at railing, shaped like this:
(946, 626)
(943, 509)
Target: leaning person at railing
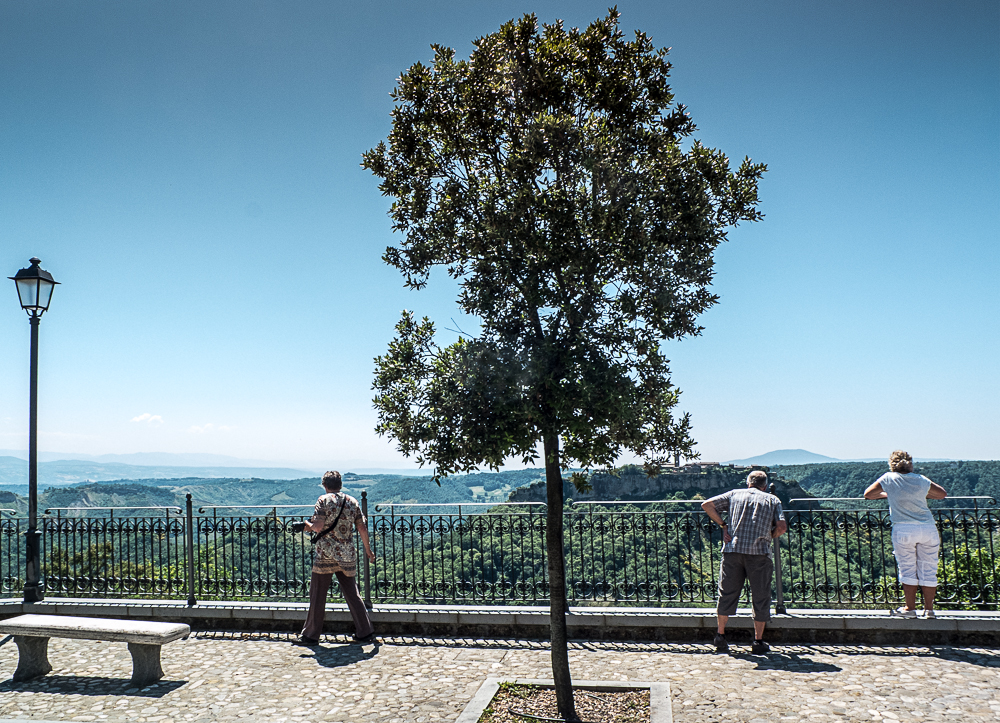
(336, 517)
(755, 518)
(915, 538)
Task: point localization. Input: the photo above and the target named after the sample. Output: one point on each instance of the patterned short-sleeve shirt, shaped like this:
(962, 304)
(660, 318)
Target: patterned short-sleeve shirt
(335, 551)
(753, 515)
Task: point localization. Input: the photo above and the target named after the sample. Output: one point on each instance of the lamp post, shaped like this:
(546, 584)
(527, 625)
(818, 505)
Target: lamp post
(34, 290)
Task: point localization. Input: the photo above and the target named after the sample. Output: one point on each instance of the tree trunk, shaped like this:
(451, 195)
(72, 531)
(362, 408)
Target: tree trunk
(557, 580)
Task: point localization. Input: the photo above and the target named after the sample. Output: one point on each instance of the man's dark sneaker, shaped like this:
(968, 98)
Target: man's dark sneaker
(720, 643)
(303, 640)
(369, 638)
(759, 647)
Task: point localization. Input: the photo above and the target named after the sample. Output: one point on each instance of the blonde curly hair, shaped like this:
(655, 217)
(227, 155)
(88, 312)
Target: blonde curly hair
(900, 461)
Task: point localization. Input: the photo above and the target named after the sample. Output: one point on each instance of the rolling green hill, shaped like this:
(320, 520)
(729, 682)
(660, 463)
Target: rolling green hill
(839, 479)
(632, 484)
(849, 479)
(206, 492)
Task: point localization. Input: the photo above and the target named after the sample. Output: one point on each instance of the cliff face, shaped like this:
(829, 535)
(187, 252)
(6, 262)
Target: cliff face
(635, 485)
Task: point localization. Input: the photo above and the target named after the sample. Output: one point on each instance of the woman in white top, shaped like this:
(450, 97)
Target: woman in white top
(915, 539)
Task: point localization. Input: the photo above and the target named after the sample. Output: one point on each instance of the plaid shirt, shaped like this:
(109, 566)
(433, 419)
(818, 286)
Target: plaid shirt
(753, 515)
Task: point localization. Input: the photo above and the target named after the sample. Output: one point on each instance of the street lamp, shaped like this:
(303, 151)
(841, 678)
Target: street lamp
(34, 289)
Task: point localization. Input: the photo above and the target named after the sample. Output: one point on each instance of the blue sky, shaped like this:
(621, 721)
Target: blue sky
(190, 172)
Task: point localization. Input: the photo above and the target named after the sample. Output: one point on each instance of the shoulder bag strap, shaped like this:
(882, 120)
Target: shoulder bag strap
(316, 538)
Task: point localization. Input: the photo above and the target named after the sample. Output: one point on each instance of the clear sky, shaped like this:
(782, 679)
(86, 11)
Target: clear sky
(190, 172)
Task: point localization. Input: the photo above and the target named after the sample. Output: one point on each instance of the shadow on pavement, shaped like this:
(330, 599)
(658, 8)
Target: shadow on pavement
(90, 685)
(985, 656)
(335, 657)
(790, 662)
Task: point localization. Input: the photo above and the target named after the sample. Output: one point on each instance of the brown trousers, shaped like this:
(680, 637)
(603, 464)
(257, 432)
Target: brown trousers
(737, 568)
(318, 587)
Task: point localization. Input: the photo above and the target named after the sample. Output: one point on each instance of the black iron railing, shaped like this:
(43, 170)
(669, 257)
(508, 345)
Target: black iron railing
(12, 559)
(628, 554)
(494, 556)
(137, 555)
(835, 558)
(242, 554)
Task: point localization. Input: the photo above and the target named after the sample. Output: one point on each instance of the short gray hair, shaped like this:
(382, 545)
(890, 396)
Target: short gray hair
(333, 481)
(757, 478)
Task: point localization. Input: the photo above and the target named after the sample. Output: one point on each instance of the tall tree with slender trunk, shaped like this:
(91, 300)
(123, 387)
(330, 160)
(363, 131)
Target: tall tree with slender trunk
(556, 180)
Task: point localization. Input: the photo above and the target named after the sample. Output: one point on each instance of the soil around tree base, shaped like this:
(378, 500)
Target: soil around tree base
(606, 700)
(530, 703)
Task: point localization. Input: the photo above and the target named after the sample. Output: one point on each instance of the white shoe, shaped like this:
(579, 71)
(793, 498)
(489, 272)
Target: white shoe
(902, 612)
(928, 614)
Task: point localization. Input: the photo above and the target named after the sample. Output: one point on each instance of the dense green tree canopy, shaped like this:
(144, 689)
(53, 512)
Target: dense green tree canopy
(849, 479)
(553, 175)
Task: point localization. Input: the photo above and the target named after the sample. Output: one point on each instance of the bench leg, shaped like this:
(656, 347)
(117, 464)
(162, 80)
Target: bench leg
(32, 657)
(145, 664)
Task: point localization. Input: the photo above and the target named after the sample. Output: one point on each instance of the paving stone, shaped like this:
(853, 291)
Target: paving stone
(226, 676)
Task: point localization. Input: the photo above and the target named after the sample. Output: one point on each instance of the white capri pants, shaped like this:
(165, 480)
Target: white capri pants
(916, 549)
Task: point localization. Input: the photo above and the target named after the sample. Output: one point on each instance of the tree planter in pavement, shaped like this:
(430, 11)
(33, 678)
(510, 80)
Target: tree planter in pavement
(659, 695)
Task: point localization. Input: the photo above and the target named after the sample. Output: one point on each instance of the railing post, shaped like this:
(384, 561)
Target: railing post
(189, 549)
(367, 564)
(779, 604)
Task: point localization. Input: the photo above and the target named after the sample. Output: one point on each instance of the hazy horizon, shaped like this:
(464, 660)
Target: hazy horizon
(182, 461)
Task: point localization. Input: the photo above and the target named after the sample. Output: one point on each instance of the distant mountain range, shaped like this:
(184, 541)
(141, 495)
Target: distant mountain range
(58, 469)
(147, 459)
(14, 471)
(75, 467)
(785, 456)
(804, 456)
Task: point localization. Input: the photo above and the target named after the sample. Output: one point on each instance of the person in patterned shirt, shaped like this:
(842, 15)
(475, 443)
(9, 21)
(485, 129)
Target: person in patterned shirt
(337, 515)
(755, 519)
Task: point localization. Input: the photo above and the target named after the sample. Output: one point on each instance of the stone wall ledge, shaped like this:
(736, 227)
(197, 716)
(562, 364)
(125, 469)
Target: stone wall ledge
(591, 623)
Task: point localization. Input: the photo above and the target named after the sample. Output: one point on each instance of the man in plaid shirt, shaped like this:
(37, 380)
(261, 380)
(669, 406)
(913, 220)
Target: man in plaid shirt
(755, 518)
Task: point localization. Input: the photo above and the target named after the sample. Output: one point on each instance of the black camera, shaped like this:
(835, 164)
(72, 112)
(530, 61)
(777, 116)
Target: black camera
(298, 527)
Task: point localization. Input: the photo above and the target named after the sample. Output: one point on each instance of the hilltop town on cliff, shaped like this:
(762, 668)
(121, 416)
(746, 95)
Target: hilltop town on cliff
(692, 481)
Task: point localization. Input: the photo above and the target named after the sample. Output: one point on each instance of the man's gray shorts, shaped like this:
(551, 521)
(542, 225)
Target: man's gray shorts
(737, 568)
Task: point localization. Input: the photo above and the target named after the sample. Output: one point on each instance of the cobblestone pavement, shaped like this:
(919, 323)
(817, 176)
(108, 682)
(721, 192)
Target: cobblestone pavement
(250, 676)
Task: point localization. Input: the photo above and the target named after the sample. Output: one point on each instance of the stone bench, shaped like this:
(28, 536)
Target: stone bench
(32, 633)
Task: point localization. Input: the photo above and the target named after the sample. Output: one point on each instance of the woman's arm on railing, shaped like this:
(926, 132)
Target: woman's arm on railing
(936, 492)
(875, 492)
